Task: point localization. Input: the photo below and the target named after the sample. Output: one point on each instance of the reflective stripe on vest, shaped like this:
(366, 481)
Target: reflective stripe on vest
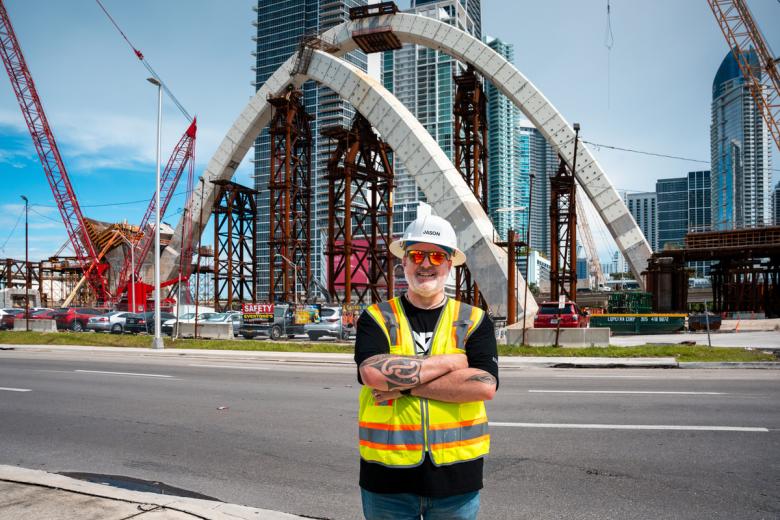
(400, 434)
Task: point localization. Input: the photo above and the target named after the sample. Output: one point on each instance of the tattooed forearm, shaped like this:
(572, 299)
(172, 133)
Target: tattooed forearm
(399, 372)
(484, 377)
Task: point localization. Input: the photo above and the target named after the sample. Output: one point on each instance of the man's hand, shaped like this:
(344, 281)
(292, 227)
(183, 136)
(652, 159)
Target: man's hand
(382, 396)
(388, 372)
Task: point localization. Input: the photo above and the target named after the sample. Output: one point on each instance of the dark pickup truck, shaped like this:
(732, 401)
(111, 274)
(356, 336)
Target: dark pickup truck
(283, 325)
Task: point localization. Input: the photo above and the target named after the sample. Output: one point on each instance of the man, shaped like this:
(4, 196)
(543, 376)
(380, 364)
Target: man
(427, 363)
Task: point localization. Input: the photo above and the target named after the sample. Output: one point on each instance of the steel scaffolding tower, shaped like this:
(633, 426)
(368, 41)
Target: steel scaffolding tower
(470, 144)
(360, 215)
(235, 273)
(290, 196)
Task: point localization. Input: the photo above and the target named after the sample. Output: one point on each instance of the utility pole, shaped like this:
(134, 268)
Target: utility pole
(527, 251)
(26, 266)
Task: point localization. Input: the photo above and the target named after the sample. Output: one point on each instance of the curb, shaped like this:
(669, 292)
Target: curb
(207, 509)
(586, 362)
(765, 365)
(505, 362)
(348, 360)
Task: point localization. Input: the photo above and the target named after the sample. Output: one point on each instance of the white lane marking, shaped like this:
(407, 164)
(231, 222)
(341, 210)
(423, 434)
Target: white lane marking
(231, 366)
(574, 376)
(15, 389)
(632, 427)
(621, 392)
(121, 373)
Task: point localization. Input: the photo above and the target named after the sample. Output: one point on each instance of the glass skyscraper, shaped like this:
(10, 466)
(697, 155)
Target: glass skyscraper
(672, 197)
(280, 26)
(776, 205)
(509, 156)
(699, 201)
(642, 207)
(740, 153)
(421, 79)
(544, 164)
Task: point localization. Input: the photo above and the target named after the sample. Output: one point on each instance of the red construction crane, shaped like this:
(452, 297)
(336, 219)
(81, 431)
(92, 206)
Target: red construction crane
(743, 35)
(181, 158)
(50, 157)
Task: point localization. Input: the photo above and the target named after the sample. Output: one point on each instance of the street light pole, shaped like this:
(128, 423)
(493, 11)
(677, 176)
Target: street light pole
(158, 342)
(26, 267)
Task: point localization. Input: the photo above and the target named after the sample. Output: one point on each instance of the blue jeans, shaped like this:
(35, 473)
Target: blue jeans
(406, 506)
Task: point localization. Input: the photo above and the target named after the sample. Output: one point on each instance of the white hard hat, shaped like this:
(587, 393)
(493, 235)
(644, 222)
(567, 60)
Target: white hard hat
(430, 229)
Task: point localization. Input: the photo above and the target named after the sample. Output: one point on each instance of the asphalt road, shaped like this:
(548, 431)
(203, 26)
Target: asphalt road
(566, 443)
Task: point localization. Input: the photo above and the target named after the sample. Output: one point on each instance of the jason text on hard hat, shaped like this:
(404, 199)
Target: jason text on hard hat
(430, 229)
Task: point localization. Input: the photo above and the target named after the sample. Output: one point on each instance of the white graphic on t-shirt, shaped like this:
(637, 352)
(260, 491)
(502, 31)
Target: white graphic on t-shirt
(422, 342)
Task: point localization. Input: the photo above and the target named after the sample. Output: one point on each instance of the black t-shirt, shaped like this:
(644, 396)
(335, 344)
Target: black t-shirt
(426, 479)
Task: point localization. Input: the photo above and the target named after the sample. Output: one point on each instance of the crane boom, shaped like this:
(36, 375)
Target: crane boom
(181, 158)
(589, 243)
(49, 154)
(741, 33)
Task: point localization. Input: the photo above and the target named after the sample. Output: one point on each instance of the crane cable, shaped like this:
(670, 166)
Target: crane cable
(609, 41)
(140, 56)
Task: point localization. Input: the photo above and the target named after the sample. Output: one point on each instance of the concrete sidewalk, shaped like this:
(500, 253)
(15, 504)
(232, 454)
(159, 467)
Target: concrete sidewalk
(27, 494)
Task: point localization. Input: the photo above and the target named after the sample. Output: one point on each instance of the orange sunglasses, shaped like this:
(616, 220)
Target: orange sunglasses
(434, 257)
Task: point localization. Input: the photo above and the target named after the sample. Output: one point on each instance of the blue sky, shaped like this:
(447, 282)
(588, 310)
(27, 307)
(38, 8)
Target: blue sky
(656, 96)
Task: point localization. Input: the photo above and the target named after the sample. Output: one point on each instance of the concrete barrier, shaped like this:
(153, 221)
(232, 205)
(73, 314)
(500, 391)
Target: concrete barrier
(591, 337)
(750, 325)
(205, 330)
(36, 325)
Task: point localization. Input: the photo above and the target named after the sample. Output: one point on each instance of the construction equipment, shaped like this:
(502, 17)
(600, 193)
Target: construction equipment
(594, 264)
(183, 157)
(49, 154)
(742, 34)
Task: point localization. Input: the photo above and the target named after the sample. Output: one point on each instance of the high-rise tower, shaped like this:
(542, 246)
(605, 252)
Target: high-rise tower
(740, 153)
(280, 26)
(643, 208)
(422, 79)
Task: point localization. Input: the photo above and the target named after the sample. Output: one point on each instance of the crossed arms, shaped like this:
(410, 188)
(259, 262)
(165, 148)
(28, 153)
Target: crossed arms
(444, 378)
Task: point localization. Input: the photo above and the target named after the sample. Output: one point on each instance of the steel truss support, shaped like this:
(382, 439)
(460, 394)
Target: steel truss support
(747, 285)
(470, 143)
(290, 196)
(235, 266)
(360, 215)
(563, 234)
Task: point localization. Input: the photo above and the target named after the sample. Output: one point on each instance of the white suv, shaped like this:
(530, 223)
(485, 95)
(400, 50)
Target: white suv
(329, 325)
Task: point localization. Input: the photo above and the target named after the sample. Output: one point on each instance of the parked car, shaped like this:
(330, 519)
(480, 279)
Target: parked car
(225, 317)
(7, 316)
(167, 325)
(74, 318)
(43, 314)
(283, 325)
(144, 322)
(550, 316)
(113, 322)
(329, 325)
(7, 320)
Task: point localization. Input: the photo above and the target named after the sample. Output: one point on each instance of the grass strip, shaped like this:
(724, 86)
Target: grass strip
(682, 353)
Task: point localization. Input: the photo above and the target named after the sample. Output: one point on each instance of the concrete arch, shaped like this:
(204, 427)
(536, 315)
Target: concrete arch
(414, 146)
(411, 143)
(416, 29)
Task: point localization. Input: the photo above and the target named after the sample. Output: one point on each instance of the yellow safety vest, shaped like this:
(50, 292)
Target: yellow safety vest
(397, 433)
